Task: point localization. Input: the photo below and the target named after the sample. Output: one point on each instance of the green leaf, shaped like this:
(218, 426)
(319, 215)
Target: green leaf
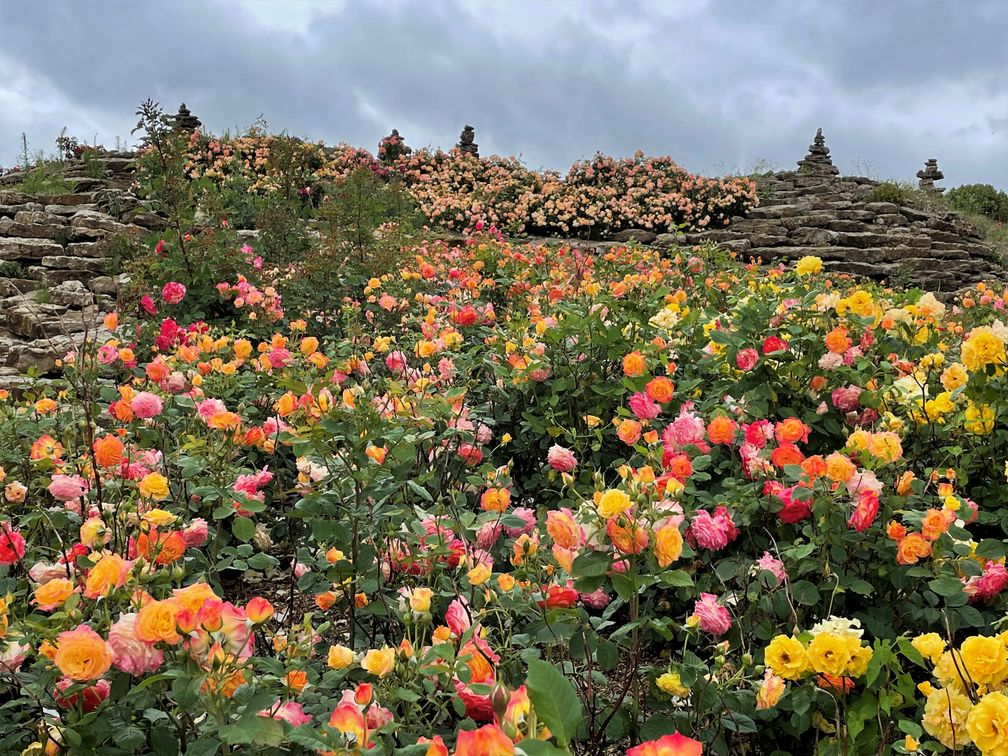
(243, 528)
(675, 579)
(555, 700)
(946, 585)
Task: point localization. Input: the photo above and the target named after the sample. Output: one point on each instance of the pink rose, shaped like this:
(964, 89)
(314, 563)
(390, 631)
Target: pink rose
(457, 617)
(146, 405)
(290, 712)
(488, 534)
(597, 599)
(746, 359)
(67, 488)
(173, 292)
(644, 407)
(714, 618)
(774, 566)
(561, 459)
(195, 533)
(147, 303)
(129, 653)
(528, 516)
(988, 585)
(865, 512)
(396, 362)
(708, 531)
(687, 429)
(846, 399)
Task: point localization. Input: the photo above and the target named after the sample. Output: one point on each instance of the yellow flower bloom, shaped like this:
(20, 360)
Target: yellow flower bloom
(930, 646)
(379, 662)
(671, 683)
(830, 654)
(613, 502)
(986, 659)
(945, 715)
(987, 724)
(787, 657)
(339, 657)
(809, 265)
(154, 486)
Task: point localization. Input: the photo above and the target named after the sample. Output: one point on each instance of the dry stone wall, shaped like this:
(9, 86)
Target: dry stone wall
(53, 280)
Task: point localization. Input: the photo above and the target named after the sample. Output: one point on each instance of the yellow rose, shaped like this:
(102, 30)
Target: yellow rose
(829, 654)
(930, 646)
(986, 659)
(379, 662)
(613, 502)
(809, 265)
(954, 376)
(479, 574)
(981, 348)
(787, 657)
(668, 545)
(339, 657)
(671, 683)
(420, 600)
(154, 486)
(159, 517)
(988, 724)
(945, 717)
(858, 664)
(50, 595)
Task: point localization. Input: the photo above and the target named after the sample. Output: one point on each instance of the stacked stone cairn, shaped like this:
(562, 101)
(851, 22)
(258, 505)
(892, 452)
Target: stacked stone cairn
(466, 143)
(928, 175)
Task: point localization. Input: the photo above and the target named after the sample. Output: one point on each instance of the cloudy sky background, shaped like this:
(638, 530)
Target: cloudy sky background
(718, 84)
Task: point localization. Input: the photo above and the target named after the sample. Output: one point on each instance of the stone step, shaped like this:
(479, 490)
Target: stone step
(28, 249)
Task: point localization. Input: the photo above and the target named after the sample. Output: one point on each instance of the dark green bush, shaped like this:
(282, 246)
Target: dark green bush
(979, 199)
(890, 191)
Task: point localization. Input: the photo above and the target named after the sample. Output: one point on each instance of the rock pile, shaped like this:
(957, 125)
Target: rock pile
(52, 260)
(813, 211)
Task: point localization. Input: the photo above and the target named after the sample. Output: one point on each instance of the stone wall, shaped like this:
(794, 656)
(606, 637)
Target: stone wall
(53, 280)
(815, 211)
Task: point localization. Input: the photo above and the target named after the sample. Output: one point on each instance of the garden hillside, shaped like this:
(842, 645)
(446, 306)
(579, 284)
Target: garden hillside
(321, 479)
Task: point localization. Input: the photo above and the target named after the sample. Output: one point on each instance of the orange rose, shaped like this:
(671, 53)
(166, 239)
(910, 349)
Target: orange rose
(837, 340)
(82, 654)
(495, 500)
(109, 573)
(108, 451)
(156, 621)
(722, 430)
(660, 389)
(913, 547)
(629, 431)
(626, 535)
(50, 595)
(936, 522)
(163, 548)
(634, 364)
(786, 454)
(814, 466)
(791, 430)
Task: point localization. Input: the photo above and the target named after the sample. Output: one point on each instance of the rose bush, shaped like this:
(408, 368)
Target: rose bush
(525, 499)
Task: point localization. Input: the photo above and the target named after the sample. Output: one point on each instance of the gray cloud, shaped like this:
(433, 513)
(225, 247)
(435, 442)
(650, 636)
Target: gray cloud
(717, 85)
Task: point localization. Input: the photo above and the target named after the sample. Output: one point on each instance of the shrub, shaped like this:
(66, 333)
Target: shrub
(890, 191)
(979, 199)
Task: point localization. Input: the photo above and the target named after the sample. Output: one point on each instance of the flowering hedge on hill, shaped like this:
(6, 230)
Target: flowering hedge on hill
(455, 189)
(527, 500)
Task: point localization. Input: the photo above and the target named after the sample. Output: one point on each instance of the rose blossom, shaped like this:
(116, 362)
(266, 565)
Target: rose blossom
(773, 565)
(561, 459)
(644, 407)
(129, 653)
(66, 487)
(714, 618)
(146, 405)
(173, 292)
(746, 359)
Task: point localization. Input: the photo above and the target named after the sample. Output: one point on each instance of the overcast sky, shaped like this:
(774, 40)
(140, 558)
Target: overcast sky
(718, 85)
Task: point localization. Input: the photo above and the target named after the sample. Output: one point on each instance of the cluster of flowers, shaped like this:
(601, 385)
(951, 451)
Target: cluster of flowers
(456, 189)
(969, 705)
